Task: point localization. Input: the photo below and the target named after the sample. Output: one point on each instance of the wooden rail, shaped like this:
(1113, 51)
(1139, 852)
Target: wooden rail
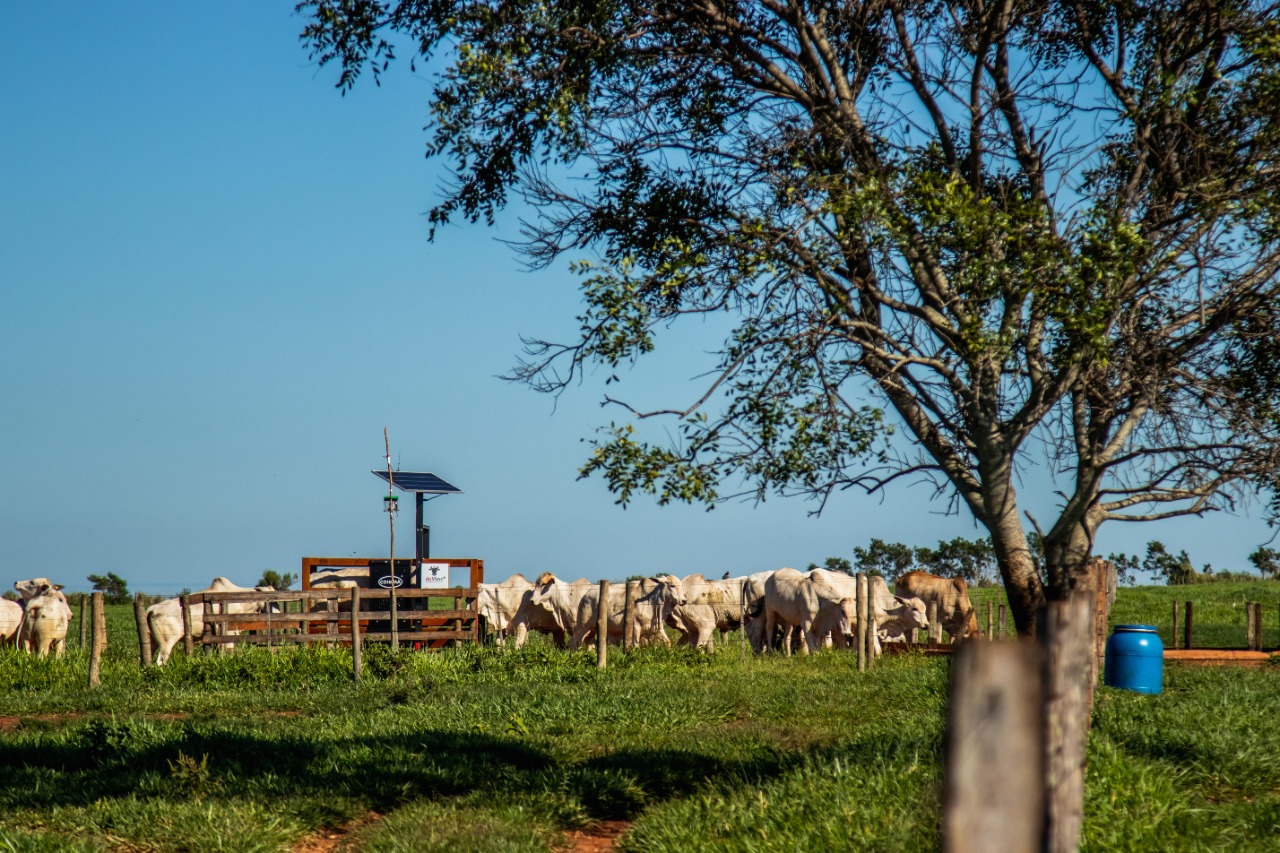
(320, 619)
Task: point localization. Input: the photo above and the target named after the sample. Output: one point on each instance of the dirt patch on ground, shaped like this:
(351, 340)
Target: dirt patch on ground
(597, 838)
(331, 839)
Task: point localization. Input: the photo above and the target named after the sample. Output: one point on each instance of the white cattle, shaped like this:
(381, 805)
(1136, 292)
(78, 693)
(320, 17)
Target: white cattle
(10, 621)
(659, 596)
(339, 579)
(559, 600)
(753, 598)
(165, 618)
(709, 606)
(509, 609)
(895, 615)
(53, 614)
(813, 602)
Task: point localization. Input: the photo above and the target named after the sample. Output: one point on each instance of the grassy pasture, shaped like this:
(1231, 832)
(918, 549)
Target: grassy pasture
(474, 749)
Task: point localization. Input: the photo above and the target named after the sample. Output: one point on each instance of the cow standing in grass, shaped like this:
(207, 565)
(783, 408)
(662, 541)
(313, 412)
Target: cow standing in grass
(951, 595)
(164, 619)
(46, 617)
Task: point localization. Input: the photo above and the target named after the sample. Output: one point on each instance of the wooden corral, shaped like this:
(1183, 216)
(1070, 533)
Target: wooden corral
(321, 619)
(311, 564)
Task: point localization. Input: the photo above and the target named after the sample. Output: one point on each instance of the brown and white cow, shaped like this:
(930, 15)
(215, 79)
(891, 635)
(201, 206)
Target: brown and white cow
(955, 611)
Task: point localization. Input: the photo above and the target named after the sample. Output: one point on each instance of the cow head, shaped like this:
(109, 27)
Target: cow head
(35, 587)
(911, 611)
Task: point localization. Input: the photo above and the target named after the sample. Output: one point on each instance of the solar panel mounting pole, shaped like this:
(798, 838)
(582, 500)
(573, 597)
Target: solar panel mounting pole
(395, 635)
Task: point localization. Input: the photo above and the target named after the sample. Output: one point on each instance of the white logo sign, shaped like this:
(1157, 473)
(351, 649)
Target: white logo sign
(387, 581)
(435, 575)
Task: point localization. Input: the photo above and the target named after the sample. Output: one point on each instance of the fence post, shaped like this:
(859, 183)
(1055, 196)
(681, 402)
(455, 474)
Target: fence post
(144, 635)
(990, 618)
(99, 639)
(602, 626)
(1173, 640)
(1186, 628)
(994, 782)
(935, 629)
(187, 645)
(869, 619)
(629, 618)
(1248, 625)
(1069, 683)
(84, 623)
(860, 628)
(1001, 623)
(356, 663)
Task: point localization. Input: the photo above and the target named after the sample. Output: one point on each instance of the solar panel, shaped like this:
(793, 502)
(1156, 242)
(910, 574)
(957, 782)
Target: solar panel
(409, 481)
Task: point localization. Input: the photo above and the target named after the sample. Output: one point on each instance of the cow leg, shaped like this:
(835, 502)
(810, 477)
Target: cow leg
(766, 646)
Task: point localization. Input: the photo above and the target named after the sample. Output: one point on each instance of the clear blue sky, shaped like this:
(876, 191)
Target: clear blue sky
(216, 289)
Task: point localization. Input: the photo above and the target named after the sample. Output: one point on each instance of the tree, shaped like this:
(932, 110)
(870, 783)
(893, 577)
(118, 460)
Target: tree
(1127, 566)
(1266, 561)
(114, 588)
(970, 559)
(834, 564)
(890, 559)
(952, 240)
(1176, 571)
(275, 580)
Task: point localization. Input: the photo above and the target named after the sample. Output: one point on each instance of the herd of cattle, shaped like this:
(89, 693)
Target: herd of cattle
(771, 605)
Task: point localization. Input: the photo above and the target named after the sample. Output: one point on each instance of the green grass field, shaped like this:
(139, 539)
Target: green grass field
(476, 749)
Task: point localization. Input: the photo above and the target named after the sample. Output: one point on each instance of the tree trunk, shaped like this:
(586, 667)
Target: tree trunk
(1017, 570)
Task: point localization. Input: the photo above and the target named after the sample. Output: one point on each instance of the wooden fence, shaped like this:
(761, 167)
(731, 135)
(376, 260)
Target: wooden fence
(318, 616)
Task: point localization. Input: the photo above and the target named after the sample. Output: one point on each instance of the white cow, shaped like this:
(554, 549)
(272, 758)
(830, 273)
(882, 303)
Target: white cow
(339, 579)
(816, 603)
(165, 618)
(559, 599)
(10, 621)
(52, 613)
(709, 606)
(895, 615)
(659, 596)
(508, 608)
(753, 597)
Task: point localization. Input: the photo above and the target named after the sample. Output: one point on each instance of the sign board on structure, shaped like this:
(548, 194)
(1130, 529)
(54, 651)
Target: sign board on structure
(435, 575)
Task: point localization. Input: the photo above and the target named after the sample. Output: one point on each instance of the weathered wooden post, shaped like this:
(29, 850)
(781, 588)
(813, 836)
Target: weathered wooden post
(629, 618)
(935, 627)
(1000, 625)
(869, 619)
(1173, 639)
(356, 663)
(187, 645)
(1069, 683)
(99, 618)
(84, 623)
(602, 626)
(144, 635)
(860, 628)
(1186, 628)
(990, 618)
(992, 800)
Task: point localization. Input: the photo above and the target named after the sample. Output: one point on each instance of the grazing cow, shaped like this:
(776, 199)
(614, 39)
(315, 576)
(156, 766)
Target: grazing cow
(10, 621)
(753, 597)
(165, 618)
(659, 596)
(818, 603)
(955, 612)
(709, 606)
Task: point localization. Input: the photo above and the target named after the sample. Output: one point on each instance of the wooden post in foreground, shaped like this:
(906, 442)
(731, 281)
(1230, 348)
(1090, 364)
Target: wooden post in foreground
(629, 618)
(144, 635)
(602, 626)
(99, 635)
(1173, 638)
(1069, 683)
(187, 645)
(992, 799)
(357, 664)
(860, 628)
(84, 623)
(1186, 628)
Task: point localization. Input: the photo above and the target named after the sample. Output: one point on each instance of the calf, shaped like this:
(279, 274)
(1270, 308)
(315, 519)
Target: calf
(951, 595)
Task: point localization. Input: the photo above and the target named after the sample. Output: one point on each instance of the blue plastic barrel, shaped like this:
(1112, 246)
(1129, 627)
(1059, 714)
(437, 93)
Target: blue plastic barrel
(1135, 659)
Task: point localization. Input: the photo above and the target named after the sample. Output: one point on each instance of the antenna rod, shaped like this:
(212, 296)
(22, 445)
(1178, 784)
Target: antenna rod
(395, 634)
